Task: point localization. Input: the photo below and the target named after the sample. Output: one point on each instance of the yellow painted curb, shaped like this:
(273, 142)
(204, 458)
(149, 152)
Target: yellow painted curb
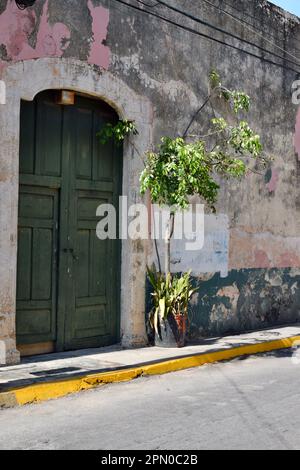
(50, 390)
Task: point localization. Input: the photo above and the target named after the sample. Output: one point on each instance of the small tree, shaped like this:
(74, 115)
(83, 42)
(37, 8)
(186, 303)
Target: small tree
(191, 165)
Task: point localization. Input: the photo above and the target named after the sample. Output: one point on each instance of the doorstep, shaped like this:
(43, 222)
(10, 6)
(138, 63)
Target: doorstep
(51, 376)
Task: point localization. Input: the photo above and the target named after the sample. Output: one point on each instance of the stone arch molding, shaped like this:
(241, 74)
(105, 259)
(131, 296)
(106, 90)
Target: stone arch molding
(24, 80)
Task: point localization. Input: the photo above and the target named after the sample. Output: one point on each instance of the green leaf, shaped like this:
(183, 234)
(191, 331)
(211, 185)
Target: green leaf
(156, 321)
(118, 132)
(214, 79)
(162, 308)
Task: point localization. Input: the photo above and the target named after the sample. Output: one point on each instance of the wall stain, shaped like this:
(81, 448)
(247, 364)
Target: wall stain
(274, 178)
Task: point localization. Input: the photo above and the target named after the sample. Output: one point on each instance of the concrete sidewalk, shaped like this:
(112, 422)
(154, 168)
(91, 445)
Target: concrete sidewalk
(51, 376)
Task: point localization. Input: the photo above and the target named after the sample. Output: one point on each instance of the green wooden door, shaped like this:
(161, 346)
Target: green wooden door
(68, 280)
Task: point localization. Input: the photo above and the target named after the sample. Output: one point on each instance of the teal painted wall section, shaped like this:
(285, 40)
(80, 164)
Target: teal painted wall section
(247, 299)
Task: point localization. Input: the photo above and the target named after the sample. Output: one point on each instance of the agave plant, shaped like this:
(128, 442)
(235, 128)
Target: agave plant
(170, 296)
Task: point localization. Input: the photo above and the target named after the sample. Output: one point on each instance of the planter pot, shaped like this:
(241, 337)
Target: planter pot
(173, 332)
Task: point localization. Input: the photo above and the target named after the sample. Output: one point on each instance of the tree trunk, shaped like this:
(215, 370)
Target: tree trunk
(169, 234)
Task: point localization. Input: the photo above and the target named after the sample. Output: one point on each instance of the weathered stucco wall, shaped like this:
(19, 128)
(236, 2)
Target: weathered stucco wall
(169, 67)
(247, 299)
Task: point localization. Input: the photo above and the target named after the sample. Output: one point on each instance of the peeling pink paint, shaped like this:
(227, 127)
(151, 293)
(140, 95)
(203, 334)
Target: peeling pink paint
(288, 259)
(261, 259)
(272, 185)
(262, 251)
(99, 53)
(51, 40)
(297, 135)
(15, 28)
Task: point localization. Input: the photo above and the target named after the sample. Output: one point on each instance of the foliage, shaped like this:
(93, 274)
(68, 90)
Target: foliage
(238, 100)
(170, 296)
(180, 168)
(214, 79)
(117, 132)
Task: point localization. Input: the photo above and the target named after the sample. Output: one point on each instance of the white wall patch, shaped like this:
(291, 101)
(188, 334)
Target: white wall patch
(2, 92)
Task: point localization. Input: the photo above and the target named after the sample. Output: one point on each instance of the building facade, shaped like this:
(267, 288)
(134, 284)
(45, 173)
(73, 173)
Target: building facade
(59, 287)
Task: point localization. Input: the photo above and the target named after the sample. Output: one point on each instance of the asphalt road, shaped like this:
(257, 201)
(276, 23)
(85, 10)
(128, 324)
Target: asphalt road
(245, 404)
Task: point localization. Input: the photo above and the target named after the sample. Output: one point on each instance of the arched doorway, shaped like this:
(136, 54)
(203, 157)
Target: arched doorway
(67, 279)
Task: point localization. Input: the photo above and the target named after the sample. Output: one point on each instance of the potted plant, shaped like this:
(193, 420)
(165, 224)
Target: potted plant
(169, 314)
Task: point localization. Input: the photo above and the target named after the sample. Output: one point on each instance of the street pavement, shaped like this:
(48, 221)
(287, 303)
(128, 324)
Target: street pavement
(250, 403)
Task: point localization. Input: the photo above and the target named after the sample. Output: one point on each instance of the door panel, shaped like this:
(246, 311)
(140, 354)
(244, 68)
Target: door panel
(37, 265)
(67, 286)
(92, 320)
(27, 138)
(91, 266)
(48, 138)
(84, 149)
